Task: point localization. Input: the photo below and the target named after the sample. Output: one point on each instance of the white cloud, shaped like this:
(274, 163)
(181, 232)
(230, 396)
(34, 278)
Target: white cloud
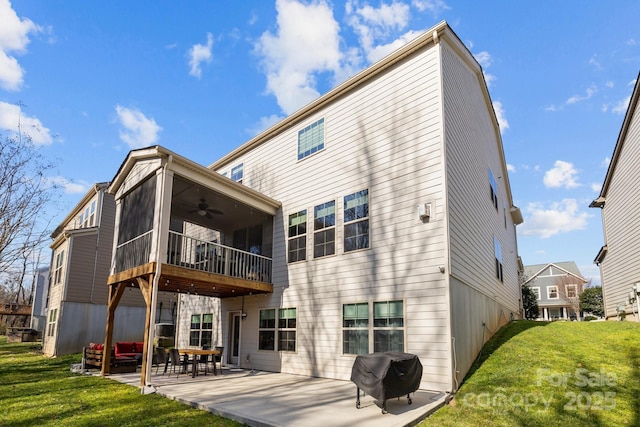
(560, 217)
(578, 98)
(264, 123)
(500, 116)
(436, 7)
(511, 168)
(563, 174)
(594, 61)
(378, 52)
(376, 24)
(139, 131)
(307, 41)
(199, 54)
(605, 162)
(67, 186)
(484, 59)
(621, 106)
(609, 84)
(596, 187)
(552, 108)
(14, 38)
(631, 42)
(13, 119)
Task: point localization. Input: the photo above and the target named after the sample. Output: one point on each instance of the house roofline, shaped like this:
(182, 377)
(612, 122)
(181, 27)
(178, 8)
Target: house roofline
(181, 163)
(545, 266)
(96, 188)
(633, 103)
(432, 36)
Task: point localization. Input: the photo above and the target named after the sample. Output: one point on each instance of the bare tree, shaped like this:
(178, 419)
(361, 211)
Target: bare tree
(569, 291)
(25, 192)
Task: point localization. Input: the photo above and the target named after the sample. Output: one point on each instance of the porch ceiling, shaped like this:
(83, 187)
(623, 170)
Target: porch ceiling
(187, 281)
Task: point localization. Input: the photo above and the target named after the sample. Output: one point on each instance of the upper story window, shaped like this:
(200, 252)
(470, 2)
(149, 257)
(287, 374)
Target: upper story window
(57, 272)
(493, 189)
(356, 221)
(324, 227)
(552, 292)
(88, 217)
(571, 291)
(536, 292)
(497, 248)
(297, 236)
(237, 173)
(311, 139)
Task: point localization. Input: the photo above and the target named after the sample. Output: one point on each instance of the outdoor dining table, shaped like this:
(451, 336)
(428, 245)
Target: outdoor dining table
(196, 352)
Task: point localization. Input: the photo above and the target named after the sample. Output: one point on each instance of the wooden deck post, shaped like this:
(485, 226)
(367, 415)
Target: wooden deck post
(115, 293)
(147, 290)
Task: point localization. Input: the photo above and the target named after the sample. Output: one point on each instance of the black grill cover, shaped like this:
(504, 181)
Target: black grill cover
(387, 375)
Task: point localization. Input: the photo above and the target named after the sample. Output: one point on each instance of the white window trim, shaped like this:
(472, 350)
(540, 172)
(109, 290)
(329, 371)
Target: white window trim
(571, 285)
(549, 292)
(538, 296)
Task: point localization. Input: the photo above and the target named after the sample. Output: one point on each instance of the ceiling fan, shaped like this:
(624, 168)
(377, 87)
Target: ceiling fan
(204, 209)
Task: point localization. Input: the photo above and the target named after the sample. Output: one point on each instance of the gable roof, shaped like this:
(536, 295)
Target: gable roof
(569, 267)
(633, 103)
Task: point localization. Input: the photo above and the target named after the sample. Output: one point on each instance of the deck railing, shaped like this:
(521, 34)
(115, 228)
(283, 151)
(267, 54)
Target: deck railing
(196, 254)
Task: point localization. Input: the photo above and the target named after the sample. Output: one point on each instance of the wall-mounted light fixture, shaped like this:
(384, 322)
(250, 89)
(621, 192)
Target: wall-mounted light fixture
(424, 211)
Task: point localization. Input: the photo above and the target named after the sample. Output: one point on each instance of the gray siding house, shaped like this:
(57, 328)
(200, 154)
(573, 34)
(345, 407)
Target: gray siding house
(558, 287)
(619, 203)
(377, 218)
(76, 298)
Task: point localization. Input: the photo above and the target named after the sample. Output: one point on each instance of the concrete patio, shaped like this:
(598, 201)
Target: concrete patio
(258, 398)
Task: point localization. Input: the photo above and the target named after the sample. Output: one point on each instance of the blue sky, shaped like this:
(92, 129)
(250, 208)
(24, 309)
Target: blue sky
(91, 80)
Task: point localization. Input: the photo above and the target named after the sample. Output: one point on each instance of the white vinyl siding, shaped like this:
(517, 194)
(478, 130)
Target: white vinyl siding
(621, 216)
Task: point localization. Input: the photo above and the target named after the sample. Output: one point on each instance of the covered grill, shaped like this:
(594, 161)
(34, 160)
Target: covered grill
(386, 375)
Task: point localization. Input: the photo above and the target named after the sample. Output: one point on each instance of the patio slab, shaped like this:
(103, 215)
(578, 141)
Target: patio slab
(266, 399)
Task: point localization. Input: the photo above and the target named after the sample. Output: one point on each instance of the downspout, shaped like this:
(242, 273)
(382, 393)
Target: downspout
(156, 278)
(95, 260)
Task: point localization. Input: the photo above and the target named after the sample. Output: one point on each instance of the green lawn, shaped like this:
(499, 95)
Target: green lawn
(38, 391)
(552, 374)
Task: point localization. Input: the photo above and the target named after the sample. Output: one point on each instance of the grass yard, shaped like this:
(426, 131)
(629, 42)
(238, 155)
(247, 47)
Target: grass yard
(528, 374)
(38, 391)
(551, 374)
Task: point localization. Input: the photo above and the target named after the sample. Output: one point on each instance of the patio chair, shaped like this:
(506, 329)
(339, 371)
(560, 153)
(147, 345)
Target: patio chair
(218, 358)
(181, 363)
(161, 359)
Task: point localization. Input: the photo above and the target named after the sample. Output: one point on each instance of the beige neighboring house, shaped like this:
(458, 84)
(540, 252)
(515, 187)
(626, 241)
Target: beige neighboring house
(619, 203)
(379, 217)
(77, 291)
(557, 287)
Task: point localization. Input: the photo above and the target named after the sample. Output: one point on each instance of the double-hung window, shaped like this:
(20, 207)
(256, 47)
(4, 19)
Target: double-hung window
(571, 291)
(552, 292)
(53, 319)
(355, 328)
(297, 236)
(287, 329)
(311, 139)
(388, 326)
(57, 273)
(497, 248)
(284, 329)
(536, 292)
(493, 186)
(385, 326)
(237, 173)
(356, 221)
(324, 227)
(200, 334)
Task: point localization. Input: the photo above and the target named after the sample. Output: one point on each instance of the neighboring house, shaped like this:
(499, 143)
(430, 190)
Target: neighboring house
(39, 303)
(557, 287)
(377, 218)
(619, 201)
(77, 293)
